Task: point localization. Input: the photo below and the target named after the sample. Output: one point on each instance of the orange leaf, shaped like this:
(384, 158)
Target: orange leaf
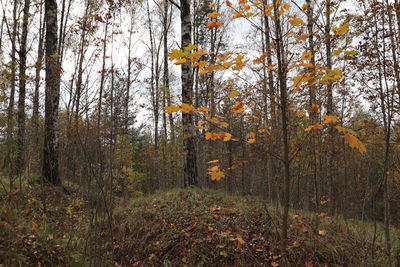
(214, 15)
(240, 240)
(354, 142)
(181, 61)
(171, 109)
(224, 124)
(316, 126)
(213, 168)
(217, 175)
(330, 119)
(213, 24)
(237, 107)
(314, 108)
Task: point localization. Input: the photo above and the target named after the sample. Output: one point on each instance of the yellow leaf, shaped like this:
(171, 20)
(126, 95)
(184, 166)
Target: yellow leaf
(227, 137)
(200, 127)
(171, 109)
(306, 55)
(186, 108)
(190, 47)
(341, 30)
(296, 22)
(351, 53)
(213, 161)
(286, 6)
(233, 94)
(251, 141)
(330, 119)
(175, 54)
(211, 5)
(337, 52)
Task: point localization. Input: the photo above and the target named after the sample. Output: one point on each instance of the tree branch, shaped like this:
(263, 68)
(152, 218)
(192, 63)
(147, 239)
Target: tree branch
(175, 4)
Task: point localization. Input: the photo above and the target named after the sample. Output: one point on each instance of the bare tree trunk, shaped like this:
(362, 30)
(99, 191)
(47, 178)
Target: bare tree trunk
(82, 52)
(313, 113)
(22, 90)
(190, 165)
(129, 79)
(50, 150)
(38, 67)
(103, 74)
(10, 109)
(282, 73)
(329, 107)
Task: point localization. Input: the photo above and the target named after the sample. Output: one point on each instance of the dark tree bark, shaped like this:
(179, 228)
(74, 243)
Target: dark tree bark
(329, 107)
(22, 90)
(190, 166)
(38, 67)
(10, 109)
(282, 78)
(82, 52)
(50, 150)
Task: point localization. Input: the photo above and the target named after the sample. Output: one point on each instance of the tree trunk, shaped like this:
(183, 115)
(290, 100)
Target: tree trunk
(38, 67)
(190, 165)
(282, 73)
(22, 90)
(10, 109)
(50, 150)
(329, 108)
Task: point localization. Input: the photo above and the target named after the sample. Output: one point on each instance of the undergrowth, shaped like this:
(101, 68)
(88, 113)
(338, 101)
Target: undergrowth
(198, 227)
(43, 226)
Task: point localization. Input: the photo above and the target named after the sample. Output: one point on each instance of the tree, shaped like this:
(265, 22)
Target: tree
(22, 89)
(50, 150)
(190, 164)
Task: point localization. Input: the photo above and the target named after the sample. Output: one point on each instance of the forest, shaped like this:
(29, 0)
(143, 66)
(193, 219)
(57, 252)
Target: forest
(200, 133)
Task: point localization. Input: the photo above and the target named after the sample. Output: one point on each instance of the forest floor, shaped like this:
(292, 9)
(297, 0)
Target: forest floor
(184, 227)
